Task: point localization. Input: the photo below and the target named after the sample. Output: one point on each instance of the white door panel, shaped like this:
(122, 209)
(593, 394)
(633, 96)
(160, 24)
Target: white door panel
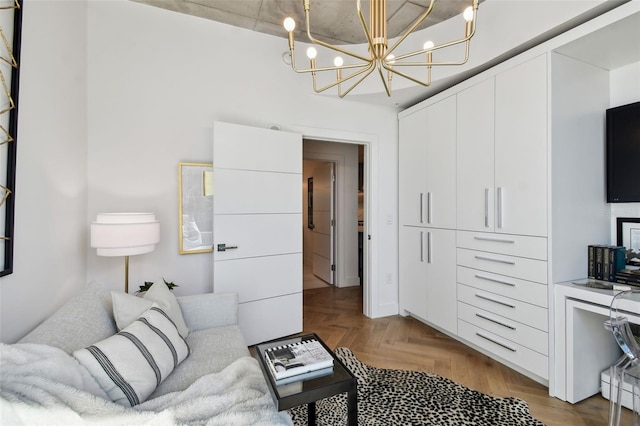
(256, 149)
(247, 276)
(257, 215)
(258, 192)
(321, 222)
(257, 235)
(322, 245)
(258, 319)
(322, 268)
(475, 157)
(323, 206)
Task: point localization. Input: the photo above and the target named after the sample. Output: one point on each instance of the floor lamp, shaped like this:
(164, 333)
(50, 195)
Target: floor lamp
(125, 234)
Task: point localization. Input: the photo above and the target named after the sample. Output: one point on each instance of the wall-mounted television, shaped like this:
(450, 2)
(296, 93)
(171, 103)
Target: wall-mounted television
(623, 154)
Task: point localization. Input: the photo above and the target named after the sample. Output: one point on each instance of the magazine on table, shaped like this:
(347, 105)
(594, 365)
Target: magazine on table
(297, 358)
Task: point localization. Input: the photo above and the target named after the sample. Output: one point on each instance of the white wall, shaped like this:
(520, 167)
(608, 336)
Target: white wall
(51, 186)
(157, 81)
(624, 84)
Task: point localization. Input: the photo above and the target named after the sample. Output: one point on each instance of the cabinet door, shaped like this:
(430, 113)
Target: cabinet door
(412, 171)
(441, 164)
(412, 252)
(475, 157)
(441, 278)
(521, 149)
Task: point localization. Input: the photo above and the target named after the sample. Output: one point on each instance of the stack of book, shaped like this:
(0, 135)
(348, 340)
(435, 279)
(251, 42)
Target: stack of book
(604, 262)
(298, 361)
(629, 277)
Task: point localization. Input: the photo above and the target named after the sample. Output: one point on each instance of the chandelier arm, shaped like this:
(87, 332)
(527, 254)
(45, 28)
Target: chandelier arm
(440, 46)
(423, 64)
(366, 72)
(384, 81)
(369, 71)
(327, 45)
(408, 77)
(411, 28)
(351, 66)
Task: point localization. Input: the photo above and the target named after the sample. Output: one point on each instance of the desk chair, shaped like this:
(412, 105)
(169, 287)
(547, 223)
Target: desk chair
(627, 368)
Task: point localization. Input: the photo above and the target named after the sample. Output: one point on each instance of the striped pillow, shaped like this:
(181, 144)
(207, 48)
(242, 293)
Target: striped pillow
(129, 365)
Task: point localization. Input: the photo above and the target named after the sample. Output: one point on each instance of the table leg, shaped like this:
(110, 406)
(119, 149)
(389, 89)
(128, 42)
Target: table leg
(311, 413)
(352, 406)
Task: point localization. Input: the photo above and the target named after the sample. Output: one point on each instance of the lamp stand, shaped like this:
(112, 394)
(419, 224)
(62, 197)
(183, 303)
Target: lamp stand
(126, 274)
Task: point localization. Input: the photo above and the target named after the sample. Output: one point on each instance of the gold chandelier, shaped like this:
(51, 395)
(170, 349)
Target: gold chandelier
(381, 58)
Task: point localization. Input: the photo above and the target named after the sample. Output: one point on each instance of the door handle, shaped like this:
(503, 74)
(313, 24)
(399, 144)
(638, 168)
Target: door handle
(224, 247)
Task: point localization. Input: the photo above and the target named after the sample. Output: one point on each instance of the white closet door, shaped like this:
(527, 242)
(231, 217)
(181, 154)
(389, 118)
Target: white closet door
(257, 227)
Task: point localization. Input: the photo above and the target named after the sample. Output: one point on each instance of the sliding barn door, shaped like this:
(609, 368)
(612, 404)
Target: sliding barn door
(257, 227)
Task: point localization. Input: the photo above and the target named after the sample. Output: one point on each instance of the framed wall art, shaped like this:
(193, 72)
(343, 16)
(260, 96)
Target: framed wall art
(628, 236)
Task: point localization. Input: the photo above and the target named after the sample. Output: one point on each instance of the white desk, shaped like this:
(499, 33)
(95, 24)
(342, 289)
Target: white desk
(583, 348)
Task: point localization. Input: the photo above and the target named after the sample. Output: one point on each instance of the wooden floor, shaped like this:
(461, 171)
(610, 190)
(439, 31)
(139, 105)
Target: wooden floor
(404, 343)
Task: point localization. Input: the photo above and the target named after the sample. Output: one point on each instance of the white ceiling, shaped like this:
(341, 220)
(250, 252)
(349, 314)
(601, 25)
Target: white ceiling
(336, 22)
(608, 48)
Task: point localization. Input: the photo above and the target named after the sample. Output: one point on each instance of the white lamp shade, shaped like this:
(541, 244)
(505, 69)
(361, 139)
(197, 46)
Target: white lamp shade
(125, 234)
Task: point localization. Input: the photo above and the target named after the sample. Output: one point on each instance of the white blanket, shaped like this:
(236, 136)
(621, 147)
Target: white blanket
(41, 384)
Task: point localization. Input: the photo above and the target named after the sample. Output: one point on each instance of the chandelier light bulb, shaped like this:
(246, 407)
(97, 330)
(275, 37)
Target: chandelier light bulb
(468, 14)
(312, 53)
(338, 61)
(289, 24)
(428, 45)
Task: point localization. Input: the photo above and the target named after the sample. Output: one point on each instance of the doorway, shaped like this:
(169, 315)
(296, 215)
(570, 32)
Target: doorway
(349, 245)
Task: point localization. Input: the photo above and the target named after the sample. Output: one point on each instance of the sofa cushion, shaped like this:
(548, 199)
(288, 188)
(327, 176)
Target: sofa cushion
(131, 364)
(84, 319)
(212, 350)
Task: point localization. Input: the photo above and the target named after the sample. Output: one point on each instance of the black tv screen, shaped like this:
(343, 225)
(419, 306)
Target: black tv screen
(623, 154)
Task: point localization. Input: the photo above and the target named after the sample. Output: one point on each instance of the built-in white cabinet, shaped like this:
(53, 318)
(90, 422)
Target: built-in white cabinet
(502, 152)
(428, 159)
(514, 191)
(475, 157)
(521, 149)
(427, 209)
(529, 186)
(428, 265)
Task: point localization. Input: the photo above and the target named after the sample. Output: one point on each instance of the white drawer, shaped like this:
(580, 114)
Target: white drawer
(518, 267)
(524, 335)
(516, 310)
(523, 357)
(515, 288)
(514, 245)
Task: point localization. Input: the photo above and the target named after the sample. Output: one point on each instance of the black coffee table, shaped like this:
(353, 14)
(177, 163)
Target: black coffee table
(308, 391)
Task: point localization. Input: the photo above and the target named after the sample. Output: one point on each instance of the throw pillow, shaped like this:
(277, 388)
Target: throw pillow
(127, 307)
(85, 318)
(129, 365)
(160, 294)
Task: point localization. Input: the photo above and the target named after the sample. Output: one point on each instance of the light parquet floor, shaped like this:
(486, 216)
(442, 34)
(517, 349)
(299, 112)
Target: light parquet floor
(335, 314)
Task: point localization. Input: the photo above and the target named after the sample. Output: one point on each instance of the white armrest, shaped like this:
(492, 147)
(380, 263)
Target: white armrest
(202, 311)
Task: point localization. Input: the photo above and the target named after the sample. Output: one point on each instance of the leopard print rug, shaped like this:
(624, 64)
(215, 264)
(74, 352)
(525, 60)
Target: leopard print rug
(398, 397)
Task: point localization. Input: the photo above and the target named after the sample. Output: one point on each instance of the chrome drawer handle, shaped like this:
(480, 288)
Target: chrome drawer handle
(495, 301)
(495, 240)
(495, 322)
(508, 262)
(495, 280)
(497, 343)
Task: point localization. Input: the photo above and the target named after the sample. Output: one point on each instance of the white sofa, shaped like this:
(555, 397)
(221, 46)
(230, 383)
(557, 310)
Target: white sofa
(217, 383)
